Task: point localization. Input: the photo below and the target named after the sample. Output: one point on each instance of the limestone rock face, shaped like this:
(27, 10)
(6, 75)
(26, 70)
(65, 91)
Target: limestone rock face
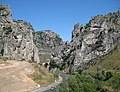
(97, 38)
(16, 37)
(47, 43)
(19, 41)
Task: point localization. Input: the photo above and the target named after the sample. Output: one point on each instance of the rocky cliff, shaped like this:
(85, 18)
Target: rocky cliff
(16, 37)
(92, 41)
(19, 41)
(47, 43)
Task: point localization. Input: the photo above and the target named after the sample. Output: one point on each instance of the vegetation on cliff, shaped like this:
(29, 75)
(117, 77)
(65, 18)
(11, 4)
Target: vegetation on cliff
(103, 77)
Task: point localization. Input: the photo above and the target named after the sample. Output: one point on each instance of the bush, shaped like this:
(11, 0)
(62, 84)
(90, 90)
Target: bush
(115, 81)
(2, 51)
(79, 83)
(97, 75)
(106, 89)
(30, 61)
(99, 81)
(38, 77)
(53, 64)
(3, 58)
(63, 88)
(108, 75)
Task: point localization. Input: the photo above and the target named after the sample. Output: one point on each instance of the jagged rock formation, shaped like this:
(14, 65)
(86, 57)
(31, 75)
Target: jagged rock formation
(97, 38)
(19, 41)
(47, 43)
(16, 37)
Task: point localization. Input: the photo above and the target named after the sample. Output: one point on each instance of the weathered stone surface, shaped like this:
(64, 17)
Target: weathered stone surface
(47, 43)
(19, 41)
(16, 37)
(97, 38)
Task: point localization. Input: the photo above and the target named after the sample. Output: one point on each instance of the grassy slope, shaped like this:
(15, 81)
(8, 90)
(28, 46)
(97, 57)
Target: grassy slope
(107, 79)
(109, 62)
(41, 75)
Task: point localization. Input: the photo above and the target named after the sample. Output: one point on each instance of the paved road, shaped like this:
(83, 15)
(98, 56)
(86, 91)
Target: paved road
(54, 85)
(63, 75)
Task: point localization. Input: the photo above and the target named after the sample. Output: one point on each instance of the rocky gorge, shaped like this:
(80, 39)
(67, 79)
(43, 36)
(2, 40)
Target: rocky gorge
(16, 37)
(91, 41)
(19, 41)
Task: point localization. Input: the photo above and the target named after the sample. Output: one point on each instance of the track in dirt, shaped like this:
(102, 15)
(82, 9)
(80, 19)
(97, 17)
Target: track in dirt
(13, 77)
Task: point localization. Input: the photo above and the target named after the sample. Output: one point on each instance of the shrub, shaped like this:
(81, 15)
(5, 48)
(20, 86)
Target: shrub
(30, 61)
(53, 64)
(97, 75)
(63, 88)
(38, 77)
(115, 81)
(106, 89)
(108, 75)
(58, 39)
(99, 81)
(79, 83)
(2, 51)
(3, 58)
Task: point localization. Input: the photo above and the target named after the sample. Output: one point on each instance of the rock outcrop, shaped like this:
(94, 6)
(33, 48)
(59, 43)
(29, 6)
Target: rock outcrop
(19, 41)
(47, 43)
(92, 41)
(16, 37)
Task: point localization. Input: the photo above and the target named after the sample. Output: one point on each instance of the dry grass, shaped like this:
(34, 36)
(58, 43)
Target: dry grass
(41, 75)
(109, 62)
(14, 76)
(22, 76)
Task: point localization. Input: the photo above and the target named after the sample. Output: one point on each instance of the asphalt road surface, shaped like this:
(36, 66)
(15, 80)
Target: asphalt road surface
(54, 85)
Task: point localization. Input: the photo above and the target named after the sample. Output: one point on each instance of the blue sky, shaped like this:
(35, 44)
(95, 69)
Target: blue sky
(59, 15)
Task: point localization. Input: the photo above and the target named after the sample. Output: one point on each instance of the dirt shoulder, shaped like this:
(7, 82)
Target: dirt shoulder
(14, 76)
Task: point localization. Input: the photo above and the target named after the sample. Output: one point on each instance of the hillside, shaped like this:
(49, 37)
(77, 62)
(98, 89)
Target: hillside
(19, 40)
(104, 76)
(110, 61)
(46, 41)
(91, 41)
(92, 57)
(16, 37)
(22, 76)
(94, 53)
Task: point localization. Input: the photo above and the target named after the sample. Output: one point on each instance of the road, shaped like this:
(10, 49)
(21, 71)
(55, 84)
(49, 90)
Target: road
(54, 85)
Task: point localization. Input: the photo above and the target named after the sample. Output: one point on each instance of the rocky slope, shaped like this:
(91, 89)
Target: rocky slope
(19, 41)
(16, 37)
(96, 39)
(47, 43)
